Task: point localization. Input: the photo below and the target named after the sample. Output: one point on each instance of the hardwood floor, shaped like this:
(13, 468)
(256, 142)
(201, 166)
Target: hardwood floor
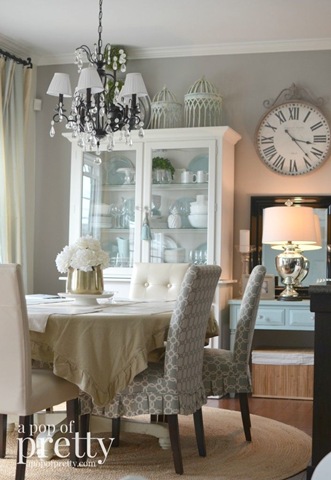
(297, 413)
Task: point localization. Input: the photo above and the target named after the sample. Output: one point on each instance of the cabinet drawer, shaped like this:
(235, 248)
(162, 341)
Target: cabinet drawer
(269, 317)
(301, 318)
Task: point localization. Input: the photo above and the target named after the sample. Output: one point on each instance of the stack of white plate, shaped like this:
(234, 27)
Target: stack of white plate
(174, 255)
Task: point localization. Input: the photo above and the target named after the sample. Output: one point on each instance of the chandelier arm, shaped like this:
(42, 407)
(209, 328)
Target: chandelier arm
(88, 53)
(58, 117)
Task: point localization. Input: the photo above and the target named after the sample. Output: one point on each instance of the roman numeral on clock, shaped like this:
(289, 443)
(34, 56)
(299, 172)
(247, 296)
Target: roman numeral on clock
(270, 152)
(318, 153)
(319, 138)
(316, 126)
(279, 162)
(265, 140)
(294, 113)
(293, 166)
(281, 117)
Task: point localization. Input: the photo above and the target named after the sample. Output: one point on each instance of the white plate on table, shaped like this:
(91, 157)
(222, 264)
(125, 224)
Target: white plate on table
(86, 299)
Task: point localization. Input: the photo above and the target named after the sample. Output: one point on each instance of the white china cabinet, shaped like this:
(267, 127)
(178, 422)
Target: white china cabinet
(141, 214)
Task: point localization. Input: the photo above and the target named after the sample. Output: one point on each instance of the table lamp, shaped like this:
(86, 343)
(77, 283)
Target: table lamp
(292, 228)
(303, 248)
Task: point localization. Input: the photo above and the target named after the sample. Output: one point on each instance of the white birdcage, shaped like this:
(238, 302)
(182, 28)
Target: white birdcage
(203, 105)
(166, 111)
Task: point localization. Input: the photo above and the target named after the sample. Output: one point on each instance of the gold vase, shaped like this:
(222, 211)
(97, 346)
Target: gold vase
(80, 282)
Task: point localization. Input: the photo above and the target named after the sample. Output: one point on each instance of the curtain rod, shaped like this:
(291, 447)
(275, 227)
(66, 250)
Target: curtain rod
(25, 63)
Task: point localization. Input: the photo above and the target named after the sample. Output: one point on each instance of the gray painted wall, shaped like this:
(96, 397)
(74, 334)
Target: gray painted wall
(244, 81)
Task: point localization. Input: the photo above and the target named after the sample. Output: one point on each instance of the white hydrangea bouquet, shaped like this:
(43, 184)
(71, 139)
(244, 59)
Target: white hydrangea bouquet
(85, 254)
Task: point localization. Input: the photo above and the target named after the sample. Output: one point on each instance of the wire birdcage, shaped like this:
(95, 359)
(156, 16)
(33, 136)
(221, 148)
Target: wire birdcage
(203, 105)
(166, 111)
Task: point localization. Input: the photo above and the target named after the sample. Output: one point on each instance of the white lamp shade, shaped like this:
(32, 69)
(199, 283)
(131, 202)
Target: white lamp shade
(89, 78)
(60, 84)
(315, 246)
(289, 224)
(134, 84)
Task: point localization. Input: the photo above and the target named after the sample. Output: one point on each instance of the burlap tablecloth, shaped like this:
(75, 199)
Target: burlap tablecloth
(102, 352)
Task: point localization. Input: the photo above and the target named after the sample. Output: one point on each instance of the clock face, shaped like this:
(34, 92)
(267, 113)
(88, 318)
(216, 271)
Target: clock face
(293, 138)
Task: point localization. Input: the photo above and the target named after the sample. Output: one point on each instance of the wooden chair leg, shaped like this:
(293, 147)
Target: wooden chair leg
(115, 431)
(199, 432)
(159, 418)
(84, 423)
(244, 408)
(175, 443)
(25, 422)
(3, 435)
(73, 428)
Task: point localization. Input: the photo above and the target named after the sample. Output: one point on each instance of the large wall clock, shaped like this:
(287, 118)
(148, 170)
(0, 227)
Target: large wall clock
(293, 138)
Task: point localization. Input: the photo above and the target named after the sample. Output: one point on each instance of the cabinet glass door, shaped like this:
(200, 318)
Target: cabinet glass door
(108, 203)
(182, 198)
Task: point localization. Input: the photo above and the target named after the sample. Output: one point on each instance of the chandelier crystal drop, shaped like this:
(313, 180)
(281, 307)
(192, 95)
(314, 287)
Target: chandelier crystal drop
(102, 103)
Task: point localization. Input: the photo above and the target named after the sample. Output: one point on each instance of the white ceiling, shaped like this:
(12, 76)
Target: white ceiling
(49, 31)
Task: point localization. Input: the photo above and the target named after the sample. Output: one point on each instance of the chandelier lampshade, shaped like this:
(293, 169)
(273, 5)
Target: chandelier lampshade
(60, 84)
(134, 85)
(89, 78)
(102, 103)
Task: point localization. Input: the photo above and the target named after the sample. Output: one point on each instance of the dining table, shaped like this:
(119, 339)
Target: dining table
(101, 346)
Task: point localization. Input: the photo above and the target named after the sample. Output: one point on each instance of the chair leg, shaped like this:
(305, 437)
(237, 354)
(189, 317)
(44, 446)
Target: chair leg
(73, 428)
(84, 423)
(158, 418)
(115, 431)
(199, 432)
(244, 408)
(175, 443)
(3, 435)
(25, 423)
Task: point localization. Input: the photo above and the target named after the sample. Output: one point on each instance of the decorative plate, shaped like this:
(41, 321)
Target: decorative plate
(200, 162)
(116, 162)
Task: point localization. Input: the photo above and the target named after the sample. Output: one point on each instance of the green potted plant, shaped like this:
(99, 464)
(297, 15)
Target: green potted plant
(163, 170)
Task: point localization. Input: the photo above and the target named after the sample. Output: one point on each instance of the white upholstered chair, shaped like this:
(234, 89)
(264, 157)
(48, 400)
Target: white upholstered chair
(24, 391)
(156, 281)
(174, 386)
(226, 371)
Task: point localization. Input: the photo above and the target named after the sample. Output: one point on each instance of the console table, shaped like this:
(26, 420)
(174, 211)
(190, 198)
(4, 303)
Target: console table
(275, 315)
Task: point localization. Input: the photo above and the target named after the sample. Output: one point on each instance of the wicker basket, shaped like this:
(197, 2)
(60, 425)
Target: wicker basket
(203, 105)
(166, 111)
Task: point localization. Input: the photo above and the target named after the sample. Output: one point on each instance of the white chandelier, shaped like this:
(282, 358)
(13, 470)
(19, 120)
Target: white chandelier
(102, 104)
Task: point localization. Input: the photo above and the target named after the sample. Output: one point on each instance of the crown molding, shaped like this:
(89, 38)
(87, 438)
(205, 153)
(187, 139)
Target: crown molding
(182, 51)
(13, 47)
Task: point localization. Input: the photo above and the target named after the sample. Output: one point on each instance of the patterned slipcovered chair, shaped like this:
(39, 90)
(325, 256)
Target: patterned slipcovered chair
(174, 386)
(226, 371)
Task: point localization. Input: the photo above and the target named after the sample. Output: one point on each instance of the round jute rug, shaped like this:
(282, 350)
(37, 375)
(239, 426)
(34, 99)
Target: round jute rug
(277, 451)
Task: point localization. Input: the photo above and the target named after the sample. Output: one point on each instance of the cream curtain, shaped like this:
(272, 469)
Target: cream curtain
(15, 93)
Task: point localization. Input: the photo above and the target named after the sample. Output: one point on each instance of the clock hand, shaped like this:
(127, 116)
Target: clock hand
(304, 141)
(296, 141)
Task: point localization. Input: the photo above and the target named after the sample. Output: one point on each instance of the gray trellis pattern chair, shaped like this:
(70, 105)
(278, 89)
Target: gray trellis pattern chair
(226, 371)
(174, 386)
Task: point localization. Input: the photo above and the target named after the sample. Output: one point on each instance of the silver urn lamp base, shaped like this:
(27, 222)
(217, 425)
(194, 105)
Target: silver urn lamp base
(292, 267)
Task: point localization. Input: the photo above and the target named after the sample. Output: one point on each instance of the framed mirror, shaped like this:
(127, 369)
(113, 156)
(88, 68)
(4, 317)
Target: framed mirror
(320, 260)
